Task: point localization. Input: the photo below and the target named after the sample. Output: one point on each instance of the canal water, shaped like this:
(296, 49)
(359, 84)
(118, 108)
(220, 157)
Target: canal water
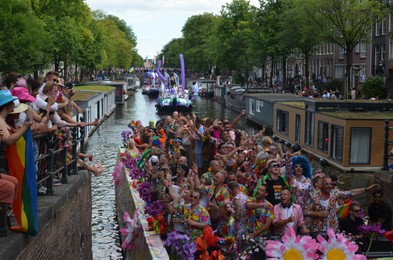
(105, 141)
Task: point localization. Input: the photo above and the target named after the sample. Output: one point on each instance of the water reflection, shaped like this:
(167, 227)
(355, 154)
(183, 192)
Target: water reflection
(103, 145)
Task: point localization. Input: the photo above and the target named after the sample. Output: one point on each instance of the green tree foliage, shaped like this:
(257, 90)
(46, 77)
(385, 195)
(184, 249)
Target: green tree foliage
(23, 38)
(197, 32)
(36, 33)
(374, 87)
(300, 31)
(235, 38)
(171, 51)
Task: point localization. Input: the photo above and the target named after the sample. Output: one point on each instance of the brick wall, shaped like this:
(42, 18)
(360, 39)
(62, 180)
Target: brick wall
(68, 234)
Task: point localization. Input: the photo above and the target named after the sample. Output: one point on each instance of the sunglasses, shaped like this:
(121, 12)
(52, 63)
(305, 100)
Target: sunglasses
(274, 166)
(377, 197)
(194, 197)
(357, 211)
(55, 80)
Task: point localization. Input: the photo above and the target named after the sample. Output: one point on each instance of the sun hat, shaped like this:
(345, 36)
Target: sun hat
(19, 108)
(154, 159)
(6, 97)
(23, 94)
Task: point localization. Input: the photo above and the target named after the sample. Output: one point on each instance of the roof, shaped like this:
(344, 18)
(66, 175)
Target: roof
(99, 88)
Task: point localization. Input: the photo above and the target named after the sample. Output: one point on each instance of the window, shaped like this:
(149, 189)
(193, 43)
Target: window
(258, 105)
(297, 129)
(341, 53)
(377, 55)
(251, 106)
(363, 49)
(98, 110)
(339, 71)
(309, 129)
(384, 26)
(357, 48)
(337, 141)
(360, 145)
(390, 48)
(282, 121)
(383, 51)
(362, 73)
(323, 136)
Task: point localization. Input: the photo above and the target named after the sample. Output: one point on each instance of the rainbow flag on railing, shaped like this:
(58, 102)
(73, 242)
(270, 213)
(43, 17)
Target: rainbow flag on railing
(21, 164)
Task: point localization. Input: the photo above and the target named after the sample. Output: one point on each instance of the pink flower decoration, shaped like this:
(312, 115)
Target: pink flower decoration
(303, 246)
(117, 173)
(128, 232)
(337, 246)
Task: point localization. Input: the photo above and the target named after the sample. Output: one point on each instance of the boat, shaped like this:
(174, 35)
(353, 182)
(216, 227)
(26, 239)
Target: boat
(173, 103)
(153, 92)
(132, 83)
(145, 89)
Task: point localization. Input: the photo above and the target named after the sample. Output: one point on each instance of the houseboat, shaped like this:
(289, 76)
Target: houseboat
(349, 135)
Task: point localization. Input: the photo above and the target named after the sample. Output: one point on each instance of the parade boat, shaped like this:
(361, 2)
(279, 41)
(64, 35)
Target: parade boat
(153, 92)
(145, 89)
(173, 103)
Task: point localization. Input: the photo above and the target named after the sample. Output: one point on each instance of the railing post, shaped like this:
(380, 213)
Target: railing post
(385, 147)
(82, 131)
(49, 169)
(74, 167)
(65, 169)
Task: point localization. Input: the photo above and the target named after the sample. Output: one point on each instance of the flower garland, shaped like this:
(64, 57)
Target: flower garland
(131, 228)
(181, 244)
(370, 232)
(295, 247)
(206, 241)
(117, 173)
(144, 191)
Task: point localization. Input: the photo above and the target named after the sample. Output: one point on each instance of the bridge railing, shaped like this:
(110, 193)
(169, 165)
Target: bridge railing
(56, 156)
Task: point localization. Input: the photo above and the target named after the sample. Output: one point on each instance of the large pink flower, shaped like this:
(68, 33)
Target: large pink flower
(293, 247)
(337, 247)
(128, 232)
(117, 173)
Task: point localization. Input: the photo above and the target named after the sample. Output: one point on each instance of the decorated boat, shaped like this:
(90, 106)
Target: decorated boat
(174, 103)
(153, 92)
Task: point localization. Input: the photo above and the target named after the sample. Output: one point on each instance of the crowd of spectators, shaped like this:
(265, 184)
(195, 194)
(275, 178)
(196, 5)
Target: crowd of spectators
(205, 172)
(42, 107)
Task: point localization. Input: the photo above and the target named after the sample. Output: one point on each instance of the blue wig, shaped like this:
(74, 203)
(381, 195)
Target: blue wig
(302, 160)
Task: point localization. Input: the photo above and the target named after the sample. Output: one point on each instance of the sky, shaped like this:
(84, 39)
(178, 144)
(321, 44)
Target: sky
(156, 22)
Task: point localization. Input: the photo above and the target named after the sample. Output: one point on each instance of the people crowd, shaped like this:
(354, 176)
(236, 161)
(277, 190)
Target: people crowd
(44, 108)
(205, 172)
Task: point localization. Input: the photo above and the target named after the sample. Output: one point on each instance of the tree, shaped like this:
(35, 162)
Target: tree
(23, 38)
(171, 51)
(197, 31)
(374, 87)
(346, 23)
(300, 32)
(235, 38)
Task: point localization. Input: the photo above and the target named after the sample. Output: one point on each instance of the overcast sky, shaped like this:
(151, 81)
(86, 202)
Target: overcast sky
(156, 22)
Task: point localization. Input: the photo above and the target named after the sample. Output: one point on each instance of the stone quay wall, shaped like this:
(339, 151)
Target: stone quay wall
(64, 222)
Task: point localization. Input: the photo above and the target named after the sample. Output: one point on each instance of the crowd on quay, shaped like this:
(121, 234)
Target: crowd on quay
(205, 172)
(40, 107)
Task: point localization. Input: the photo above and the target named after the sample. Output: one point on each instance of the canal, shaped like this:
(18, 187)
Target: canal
(105, 141)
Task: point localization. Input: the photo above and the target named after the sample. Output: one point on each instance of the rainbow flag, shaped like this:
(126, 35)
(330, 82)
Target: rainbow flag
(343, 210)
(21, 164)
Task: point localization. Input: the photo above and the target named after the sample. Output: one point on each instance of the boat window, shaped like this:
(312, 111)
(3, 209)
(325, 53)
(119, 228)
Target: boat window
(360, 145)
